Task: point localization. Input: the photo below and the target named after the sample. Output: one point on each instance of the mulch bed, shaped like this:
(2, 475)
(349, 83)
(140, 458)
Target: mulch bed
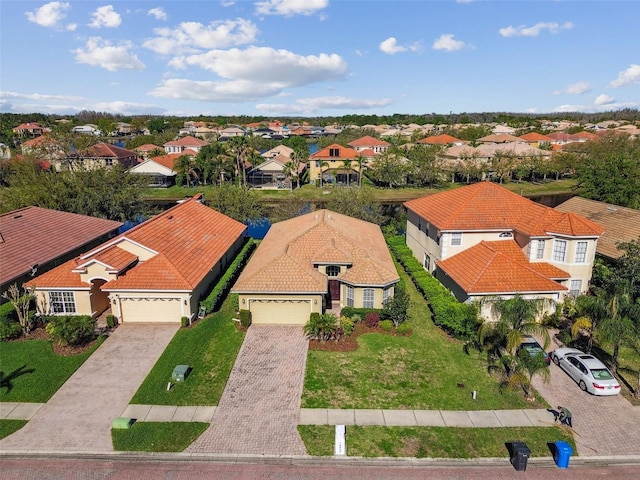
(349, 344)
(61, 349)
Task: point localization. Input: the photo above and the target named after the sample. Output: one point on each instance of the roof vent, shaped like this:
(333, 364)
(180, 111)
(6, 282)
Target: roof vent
(170, 217)
(611, 209)
(17, 216)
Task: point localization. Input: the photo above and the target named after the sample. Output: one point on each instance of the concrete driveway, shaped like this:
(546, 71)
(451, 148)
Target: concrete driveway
(603, 425)
(78, 417)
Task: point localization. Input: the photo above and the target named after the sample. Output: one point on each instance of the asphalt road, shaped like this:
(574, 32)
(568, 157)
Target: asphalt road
(148, 467)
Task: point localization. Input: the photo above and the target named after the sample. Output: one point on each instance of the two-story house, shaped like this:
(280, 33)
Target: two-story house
(335, 164)
(184, 143)
(369, 143)
(100, 155)
(484, 241)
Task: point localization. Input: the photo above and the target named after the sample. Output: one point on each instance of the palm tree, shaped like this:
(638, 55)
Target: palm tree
(238, 148)
(182, 166)
(525, 367)
(322, 165)
(619, 326)
(346, 164)
(592, 311)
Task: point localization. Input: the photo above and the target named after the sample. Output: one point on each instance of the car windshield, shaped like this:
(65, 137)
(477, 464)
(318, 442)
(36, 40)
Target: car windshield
(601, 374)
(533, 349)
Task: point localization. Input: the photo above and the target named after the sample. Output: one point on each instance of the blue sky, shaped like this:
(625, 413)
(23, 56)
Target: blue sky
(318, 57)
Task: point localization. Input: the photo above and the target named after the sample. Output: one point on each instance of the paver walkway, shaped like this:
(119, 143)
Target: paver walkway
(78, 417)
(259, 409)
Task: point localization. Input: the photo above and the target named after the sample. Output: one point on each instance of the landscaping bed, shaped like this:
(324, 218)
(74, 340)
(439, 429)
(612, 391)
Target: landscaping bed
(350, 343)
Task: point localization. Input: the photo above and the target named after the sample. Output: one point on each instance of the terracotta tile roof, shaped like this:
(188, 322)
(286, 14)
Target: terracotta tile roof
(367, 152)
(285, 260)
(147, 147)
(621, 224)
(535, 137)
(474, 207)
(499, 138)
(586, 135)
(60, 277)
(115, 258)
(368, 141)
(344, 152)
(168, 160)
(104, 150)
(443, 139)
(43, 140)
(187, 141)
(185, 241)
(500, 267)
(35, 236)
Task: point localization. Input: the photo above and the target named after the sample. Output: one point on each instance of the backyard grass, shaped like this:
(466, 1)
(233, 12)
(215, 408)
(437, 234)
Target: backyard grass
(432, 442)
(157, 436)
(7, 427)
(32, 372)
(210, 348)
(426, 370)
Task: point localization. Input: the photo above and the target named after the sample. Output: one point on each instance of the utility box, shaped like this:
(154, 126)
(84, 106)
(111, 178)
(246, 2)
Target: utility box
(340, 447)
(180, 373)
(121, 423)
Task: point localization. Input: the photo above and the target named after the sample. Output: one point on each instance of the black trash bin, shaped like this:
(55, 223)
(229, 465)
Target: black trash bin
(520, 453)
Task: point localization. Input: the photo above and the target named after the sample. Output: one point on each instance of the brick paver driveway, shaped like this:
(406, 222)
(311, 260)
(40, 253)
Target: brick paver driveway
(603, 425)
(260, 406)
(78, 417)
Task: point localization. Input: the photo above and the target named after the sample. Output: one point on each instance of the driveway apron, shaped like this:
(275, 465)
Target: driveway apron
(78, 417)
(260, 406)
(603, 425)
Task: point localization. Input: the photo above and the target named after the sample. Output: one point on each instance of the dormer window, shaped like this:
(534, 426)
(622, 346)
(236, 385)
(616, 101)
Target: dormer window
(332, 270)
(334, 152)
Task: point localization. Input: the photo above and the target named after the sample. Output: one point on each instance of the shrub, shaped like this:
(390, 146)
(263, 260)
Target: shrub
(72, 329)
(403, 329)
(361, 312)
(9, 328)
(184, 321)
(347, 325)
(111, 321)
(245, 318)
(372, 320)
(356, 318)
(8, 312)
(386, 325)
(322, 327)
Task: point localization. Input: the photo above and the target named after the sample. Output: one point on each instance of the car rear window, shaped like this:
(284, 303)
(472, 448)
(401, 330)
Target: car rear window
(601, 374)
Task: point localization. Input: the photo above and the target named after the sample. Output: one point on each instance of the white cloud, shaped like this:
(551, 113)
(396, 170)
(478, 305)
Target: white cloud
(390, 46)
(279, 68)
(189, 37)
(158, 13)
(578, 88)
(210, 91)
(534, 30)
(448, 43)
(127, 108)
(289, 8)
(227, 3)
(309, 106)
(101, 53)
(595, 108)
(71, 27)
(626, 77)
(48, 15)
(604, 100)
(37, 96)
(105, 17)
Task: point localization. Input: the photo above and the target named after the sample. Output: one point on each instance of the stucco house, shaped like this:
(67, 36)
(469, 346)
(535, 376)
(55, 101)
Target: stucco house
(275, 173)
(367, 143)
(315, 261)
(184, 144)
(33, 240)
(156, 272)
(100, 155)
(159, 170)
(484, 241)
(335, 164)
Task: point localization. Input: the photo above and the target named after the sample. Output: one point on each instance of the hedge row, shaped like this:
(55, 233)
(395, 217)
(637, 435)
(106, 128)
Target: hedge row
(217, 295)
(458, 319)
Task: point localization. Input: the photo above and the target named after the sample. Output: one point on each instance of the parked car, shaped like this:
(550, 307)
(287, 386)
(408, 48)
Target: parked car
(588, 372)
(533, 348)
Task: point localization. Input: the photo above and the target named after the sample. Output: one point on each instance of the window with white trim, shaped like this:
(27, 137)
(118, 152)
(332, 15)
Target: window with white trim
(332, 270)
(367, 298)
(559, 250)
(62, 302)
(349, 296)
(456, 238)
(386, 294)
(427, 262)
(581, 252)
(575, 288)
(540, 249)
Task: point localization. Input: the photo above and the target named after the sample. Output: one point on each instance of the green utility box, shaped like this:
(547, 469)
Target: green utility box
(180, 373)
(123, 422)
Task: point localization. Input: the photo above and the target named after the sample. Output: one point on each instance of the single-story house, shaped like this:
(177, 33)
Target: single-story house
(33, 240)
(159, 170)
(100, 155)
(316, 261)
(156, 272)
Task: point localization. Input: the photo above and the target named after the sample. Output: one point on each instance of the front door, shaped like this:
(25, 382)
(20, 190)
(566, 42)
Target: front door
(334, 290)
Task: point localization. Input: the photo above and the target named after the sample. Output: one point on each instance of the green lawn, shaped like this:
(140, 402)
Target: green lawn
(157, 436)
(7, 427)
(421, 371)
(210, 347)
(432, 442)
(31, 372)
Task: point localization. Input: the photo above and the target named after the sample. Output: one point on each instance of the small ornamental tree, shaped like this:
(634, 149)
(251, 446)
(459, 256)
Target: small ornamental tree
(396, 308)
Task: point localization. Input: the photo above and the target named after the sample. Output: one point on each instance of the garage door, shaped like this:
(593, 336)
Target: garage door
(280, 312)
(151, 310)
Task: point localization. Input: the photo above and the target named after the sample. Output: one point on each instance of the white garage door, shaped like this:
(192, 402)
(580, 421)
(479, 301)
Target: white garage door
(280, 312)
(151, 310)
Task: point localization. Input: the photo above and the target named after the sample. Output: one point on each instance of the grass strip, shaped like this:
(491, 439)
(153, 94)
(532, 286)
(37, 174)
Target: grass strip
(432, 442)
(7, 427)
(157, 436)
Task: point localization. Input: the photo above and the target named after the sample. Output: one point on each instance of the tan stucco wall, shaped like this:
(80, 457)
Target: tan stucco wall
(142, 253)
(82, 300)
(549, 306)
(96, 270)
(358, 296)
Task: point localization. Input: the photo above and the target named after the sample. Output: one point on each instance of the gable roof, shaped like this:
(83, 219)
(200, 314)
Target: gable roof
(500, 267)
(499, 138)
(443, 139)
(535, 137)
(35, 236)
(147, 147)
(621, 224)
(475, 207)
(344, 153)
(186, 142)
(184, 241)
(368, 141)
(105, 150)
(286, 260)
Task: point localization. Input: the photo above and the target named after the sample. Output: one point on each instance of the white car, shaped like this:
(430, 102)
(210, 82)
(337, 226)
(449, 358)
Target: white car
(589, 373)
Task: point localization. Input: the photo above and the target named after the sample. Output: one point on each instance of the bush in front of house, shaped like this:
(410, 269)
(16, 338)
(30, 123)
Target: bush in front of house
(71, 329)
(459, 319)
(372, 320)
(111, 321)
(220, 290)
(347, 325)
(9, 325)
(245, 318)
(322, 327)
(360, 313)
(386, 325)
(184, 322)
